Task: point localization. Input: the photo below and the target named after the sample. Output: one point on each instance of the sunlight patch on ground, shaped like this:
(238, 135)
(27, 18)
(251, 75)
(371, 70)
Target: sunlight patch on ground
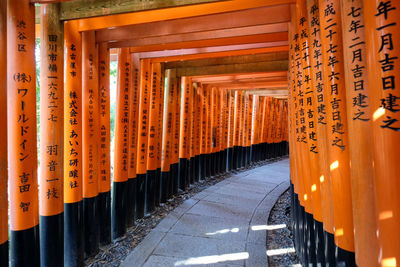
(224, 231)
(280, 251)
(214, 259)
(268, 227)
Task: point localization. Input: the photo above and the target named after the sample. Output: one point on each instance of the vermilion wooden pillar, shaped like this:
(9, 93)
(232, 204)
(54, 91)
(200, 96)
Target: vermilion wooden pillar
(382, 34)
(3, 137)
(167, 132)
(197, 131)
(159, 135)
(320, 98)
(338, 150)
(141, 163)
(73, 187)
(310, 108)
(175, 136)
(21, 127)
(91, 138)
(153, 134)
(192, 119)
(184, 132)
(51, 201)
(133, 137)
(360, 145)
(231, 137)
(104, 145)
(121, 147)
(204, 132)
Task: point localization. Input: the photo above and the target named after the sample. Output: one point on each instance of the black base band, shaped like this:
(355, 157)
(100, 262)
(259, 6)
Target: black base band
(131, 202)
(140, 196)
(73, 234)
(118, 209)
(24, 247)
(91, 226)
(51, 229)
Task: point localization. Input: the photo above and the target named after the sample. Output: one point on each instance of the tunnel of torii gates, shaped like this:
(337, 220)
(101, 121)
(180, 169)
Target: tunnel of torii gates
(203, 87)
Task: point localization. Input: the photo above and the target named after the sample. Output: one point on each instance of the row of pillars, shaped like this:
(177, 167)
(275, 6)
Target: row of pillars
(345, 131)
(169, 133)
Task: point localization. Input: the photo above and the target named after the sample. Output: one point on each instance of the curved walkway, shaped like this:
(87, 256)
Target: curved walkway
(224, 225)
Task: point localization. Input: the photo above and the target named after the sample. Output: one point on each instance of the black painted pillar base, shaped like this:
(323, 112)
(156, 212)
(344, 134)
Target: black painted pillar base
(51, 230)
(329, 249)
(229, 159)
(197, 168)
(131, 202)
(73, 234)
(165, 185)
(24, 247)
(157, 189)
(192, 169)
(319, 243)
(344, 258)
(232, 158)
(4, 254)
(311, 248)
(203, 172)
(105, 217)
(91, 226)
(118, 209)
(174, 169)
(150, 188)
(140, 196)
(182, 173)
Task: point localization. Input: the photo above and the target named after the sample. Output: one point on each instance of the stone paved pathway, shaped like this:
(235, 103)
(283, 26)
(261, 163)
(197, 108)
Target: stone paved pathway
(224, 225)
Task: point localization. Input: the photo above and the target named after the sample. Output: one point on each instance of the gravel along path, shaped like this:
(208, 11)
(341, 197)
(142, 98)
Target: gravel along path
(280, 242)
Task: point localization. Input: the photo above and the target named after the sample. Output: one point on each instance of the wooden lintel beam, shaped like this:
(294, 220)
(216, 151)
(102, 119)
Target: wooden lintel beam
(248, 39)
(240, 59)
(212, 52)
(170, 13)
(280, 65)
(198, 36)
(243, 18)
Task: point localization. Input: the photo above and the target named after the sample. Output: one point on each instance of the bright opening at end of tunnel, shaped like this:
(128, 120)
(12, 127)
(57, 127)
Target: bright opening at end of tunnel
(213, 259)
(268, 227)
(321, 179)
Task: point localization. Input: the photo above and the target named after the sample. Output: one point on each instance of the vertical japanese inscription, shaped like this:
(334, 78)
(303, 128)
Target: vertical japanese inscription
(21, 106)
(72, 115)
